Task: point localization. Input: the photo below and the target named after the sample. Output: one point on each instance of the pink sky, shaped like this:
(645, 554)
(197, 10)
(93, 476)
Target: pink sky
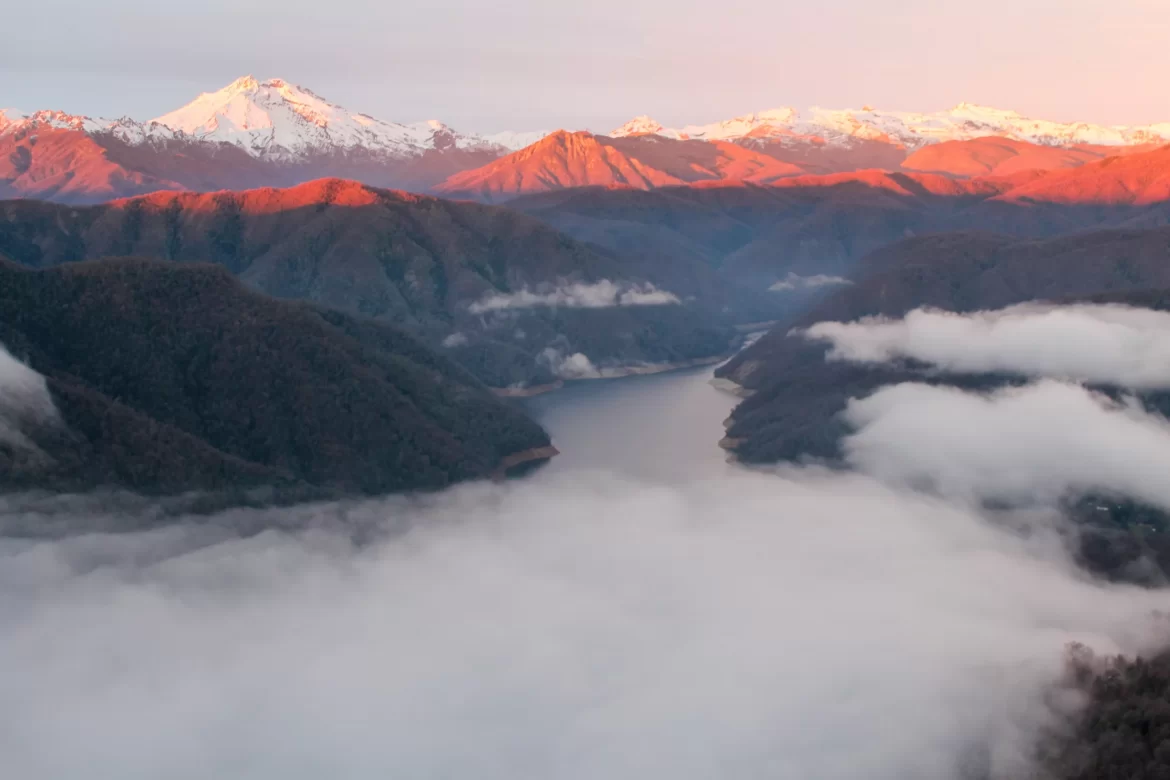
(488, 65)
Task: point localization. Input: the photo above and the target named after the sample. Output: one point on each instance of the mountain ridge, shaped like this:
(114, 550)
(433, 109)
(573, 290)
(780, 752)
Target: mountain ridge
(253, 133)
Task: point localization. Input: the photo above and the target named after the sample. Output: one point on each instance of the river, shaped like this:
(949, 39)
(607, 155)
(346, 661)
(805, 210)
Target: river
(661, 427)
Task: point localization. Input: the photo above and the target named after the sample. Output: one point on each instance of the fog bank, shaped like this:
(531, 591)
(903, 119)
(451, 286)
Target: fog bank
(1097, 343)
(638, 609)
(578, 625)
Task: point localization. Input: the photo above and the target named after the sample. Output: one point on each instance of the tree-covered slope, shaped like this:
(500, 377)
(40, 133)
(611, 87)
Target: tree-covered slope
(174, 377)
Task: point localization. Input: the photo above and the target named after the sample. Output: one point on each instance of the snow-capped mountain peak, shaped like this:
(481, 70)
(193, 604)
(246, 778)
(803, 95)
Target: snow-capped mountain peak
(639, 125)
(280, 120)
(276, 119)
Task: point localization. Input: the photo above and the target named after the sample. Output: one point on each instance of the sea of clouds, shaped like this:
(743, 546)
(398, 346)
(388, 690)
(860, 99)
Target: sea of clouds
(794, 622)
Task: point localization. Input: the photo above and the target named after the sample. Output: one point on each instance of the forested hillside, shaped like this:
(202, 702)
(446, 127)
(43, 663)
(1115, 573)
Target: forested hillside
(176, 377)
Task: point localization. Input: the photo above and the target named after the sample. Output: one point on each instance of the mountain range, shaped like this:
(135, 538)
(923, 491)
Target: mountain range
(254, 133)
(501, 292)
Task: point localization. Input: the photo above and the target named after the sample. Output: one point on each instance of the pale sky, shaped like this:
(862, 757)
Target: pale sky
(488, 65)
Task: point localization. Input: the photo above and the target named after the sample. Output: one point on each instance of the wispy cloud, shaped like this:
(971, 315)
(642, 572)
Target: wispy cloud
(795, 282)
(603, 294)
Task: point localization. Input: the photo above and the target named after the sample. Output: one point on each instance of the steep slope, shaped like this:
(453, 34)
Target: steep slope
(1131, 180)
(172, 378)
(67, 165)
(995, 156)
(473, 278)
(559, 161)
(564, 160)
(62, 158)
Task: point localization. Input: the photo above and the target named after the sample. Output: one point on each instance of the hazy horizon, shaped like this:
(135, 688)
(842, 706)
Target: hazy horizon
(525, 65)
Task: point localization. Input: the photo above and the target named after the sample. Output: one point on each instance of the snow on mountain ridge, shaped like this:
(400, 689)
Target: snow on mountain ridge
(124, 129)
(639, 125)
(277, 120)
(911, 130)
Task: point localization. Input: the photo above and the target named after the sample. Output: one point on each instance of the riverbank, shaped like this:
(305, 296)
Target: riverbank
(619, 372)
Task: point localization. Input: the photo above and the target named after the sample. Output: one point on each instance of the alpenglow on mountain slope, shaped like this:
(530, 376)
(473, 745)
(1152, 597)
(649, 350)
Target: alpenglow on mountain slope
(254, 133)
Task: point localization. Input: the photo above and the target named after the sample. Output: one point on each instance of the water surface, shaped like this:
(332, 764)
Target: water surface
(662, 427)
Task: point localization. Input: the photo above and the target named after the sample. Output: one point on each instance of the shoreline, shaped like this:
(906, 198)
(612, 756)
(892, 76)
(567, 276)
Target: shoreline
(642, 369)
(726, 385)
(527, 392)
(516, 459)
(648, 369)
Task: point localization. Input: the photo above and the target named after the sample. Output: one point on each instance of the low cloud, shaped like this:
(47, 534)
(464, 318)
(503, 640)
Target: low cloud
(1037, 443)
(25, 401)
(600, 295)
(455, 340)
(789, 623)
(796, 624)
(795, 282)
(1097, 343)
(574, 365)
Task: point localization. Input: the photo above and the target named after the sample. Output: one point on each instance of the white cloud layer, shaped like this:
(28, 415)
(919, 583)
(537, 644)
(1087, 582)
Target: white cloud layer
(600, 295)
(582, 625)
(1096, 343)
(804, 625)
(1035, 443)
(796, 282)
